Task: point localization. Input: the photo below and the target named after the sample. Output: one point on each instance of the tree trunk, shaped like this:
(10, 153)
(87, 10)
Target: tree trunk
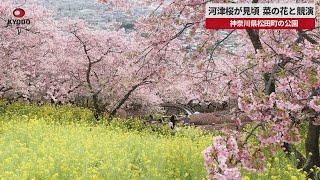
(269, 81)
(312, 148)
(270, 87)
(96, 105)
(126, 97)
(289, 148)
(312, 141)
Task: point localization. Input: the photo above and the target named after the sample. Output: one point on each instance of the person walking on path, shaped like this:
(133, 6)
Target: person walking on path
(173, 120)
(150, 120)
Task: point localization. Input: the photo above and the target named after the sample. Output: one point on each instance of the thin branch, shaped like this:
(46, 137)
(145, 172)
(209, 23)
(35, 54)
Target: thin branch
(251, 133)
(211, 53)
(271, 79)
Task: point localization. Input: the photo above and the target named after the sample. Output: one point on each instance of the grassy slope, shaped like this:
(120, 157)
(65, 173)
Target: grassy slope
(43, 142)
(41, 150)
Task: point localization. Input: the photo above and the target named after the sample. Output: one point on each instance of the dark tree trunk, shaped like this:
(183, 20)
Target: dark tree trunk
(270, 87)
(269, 83)
(96, 105)
(126, 96)
(312, 141)
(290, 148)
(312, 148)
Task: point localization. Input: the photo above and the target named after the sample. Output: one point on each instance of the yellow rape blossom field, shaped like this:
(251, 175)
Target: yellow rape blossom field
(44, 142)
(35, 146)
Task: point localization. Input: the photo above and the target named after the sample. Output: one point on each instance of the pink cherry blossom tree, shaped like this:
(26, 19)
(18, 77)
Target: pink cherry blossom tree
(273, 74)
(59, 62)
(24, 51)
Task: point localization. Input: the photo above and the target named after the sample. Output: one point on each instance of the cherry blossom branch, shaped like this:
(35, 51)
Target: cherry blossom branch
(205, 2)
(251, 133)
(156, 9)
(304, 35)
(271, 79)
(218, 44)
(5, 89)
(127, 95)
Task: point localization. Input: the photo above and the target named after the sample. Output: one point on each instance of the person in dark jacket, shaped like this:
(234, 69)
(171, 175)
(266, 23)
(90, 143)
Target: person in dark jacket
(160, 120)
(150, 119)
(173, 120)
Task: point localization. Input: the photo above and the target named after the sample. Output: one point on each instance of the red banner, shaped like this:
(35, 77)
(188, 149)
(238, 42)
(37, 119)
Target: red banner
(260, 23)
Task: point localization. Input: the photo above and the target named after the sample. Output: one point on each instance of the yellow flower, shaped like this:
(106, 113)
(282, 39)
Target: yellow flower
(55, 176)
(303, 176)
(268, 165)
(246, 178)
(294, 178)
(276, 159)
